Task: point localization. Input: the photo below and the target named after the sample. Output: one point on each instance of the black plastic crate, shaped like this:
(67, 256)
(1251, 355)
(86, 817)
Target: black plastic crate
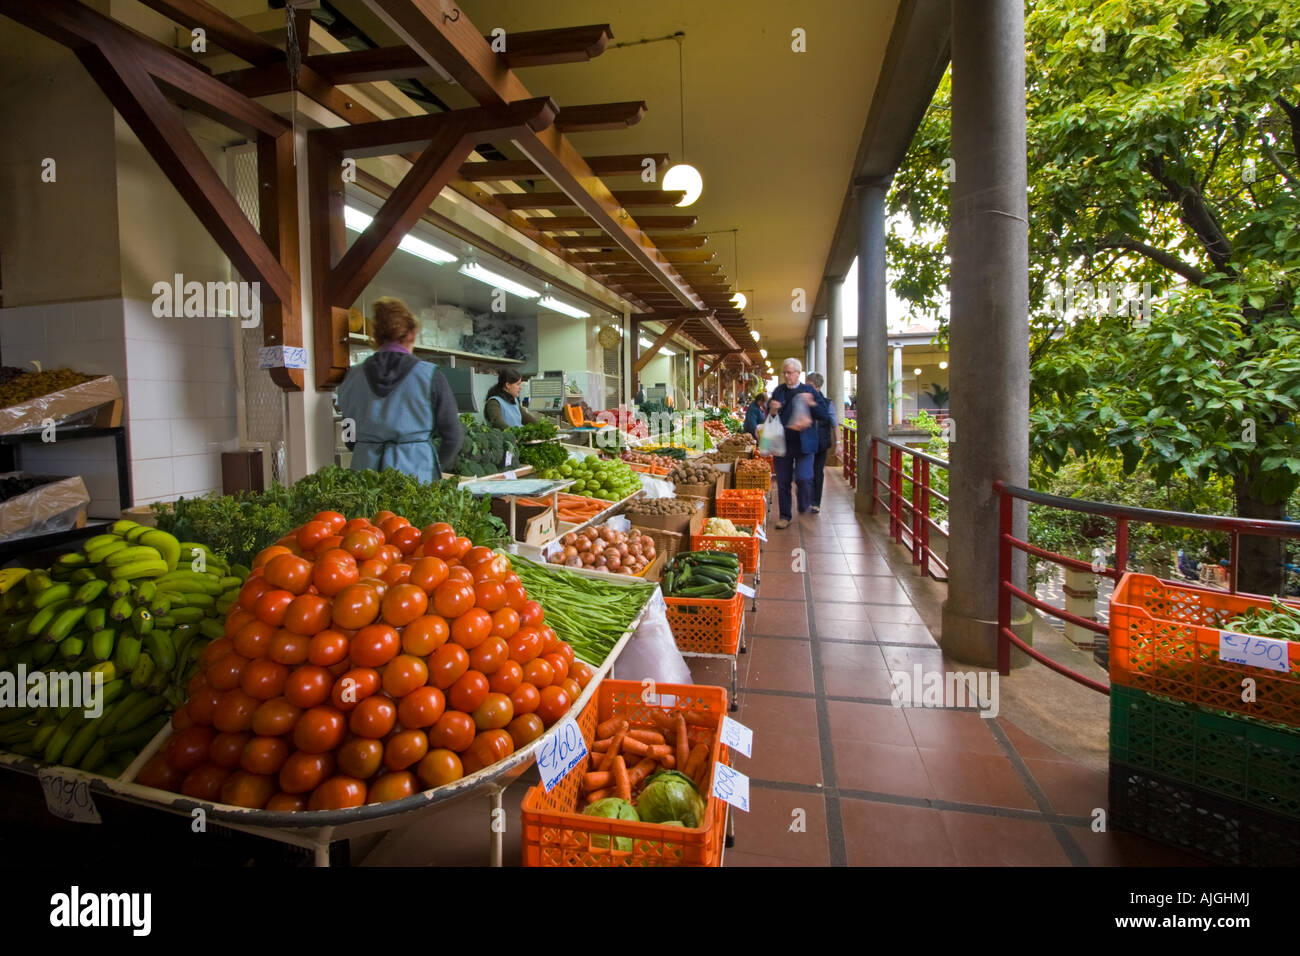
(1205, 824)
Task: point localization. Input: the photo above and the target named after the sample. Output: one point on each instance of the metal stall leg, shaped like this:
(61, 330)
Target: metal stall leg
(496, 827)
(735, 696)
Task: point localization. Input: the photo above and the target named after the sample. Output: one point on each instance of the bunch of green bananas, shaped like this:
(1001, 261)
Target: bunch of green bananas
(133, 599)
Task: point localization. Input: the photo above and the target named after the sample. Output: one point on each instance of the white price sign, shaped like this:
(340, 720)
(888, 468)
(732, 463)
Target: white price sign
(745, 589)
(68, 799)
(731, 786)
(562, 750)
(506, 463)
(509, 476)
(1270, 653)
(760, 532)
(737, 736)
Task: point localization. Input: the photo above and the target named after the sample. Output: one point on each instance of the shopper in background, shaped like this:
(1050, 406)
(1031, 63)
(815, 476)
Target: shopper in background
(404, 411)
(827, 437)
(755, 413)
(797, 408)
(502, 409)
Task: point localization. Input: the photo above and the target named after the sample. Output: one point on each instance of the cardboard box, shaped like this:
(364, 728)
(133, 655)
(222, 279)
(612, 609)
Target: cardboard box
(59, 505)
(526, 520)
(98, 402)
(681, 524)
(709, 490)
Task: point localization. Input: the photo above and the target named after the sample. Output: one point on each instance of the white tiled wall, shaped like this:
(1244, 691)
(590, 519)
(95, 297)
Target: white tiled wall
(86, 336)
(178, 377)
(180, 400)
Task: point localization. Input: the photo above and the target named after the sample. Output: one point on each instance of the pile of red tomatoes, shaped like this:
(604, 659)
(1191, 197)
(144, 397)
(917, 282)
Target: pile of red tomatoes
(366, 660)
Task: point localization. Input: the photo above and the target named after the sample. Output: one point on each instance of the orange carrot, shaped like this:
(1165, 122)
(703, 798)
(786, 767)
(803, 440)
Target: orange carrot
(600, 746)
(683, 742)
(647, 736)
(660, 751)
(610, 727)
(699, 753)
(662, 719)
(596, 781)
(642, 770)
(598, 795)
(614, 749)
(633, 746)
(621, 782)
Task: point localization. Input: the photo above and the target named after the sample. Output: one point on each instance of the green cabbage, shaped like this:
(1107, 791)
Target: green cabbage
(671, 796)
(616, 809)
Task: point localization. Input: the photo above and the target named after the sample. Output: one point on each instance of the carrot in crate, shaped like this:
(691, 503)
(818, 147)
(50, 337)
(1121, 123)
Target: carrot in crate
(622, 784)
(642, 770)
(698, 756)
(647, 736)
(611, 727)
(683, 742)
(615, 750)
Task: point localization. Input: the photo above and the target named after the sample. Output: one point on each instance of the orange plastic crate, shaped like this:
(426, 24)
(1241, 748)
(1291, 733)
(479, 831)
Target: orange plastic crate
(702, 626)
(744, 547)
(747, 505)
(1164, 639)
(555, 833)
(755, 481)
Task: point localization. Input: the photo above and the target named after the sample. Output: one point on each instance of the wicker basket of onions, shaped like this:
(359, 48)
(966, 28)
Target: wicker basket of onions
(604, 549)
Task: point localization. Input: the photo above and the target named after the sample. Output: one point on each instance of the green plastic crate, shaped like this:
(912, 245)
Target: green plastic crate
(1236, 757)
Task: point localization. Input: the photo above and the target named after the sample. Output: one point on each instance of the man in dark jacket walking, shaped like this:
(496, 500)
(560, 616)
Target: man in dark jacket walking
(796, 406)
(755, 414)
(827, 433)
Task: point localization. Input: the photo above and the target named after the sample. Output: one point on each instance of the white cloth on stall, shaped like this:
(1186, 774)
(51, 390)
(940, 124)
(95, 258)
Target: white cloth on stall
(657, 487)
(651, 653)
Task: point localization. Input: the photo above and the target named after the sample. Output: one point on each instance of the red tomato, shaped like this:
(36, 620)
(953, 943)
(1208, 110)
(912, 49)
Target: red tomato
(454, 731)
(355, 606)
(318, 730)
(254, 639)
(490, 596)
(392, 786)
(439, 767)
(181, 718)
(263, 679)
(360, 524)
(559, 667)
(389, 554)
(505, 623)
(563, 649)
(404, 674)
(253, 589)
(272, 606)
(225, 749)
(506, 678)
(327, 648)
(524, 729)
(405, 749)
(525, 698)
(453, 598)
(525, 645)
(362, 545)
(331, 577)
(312, 533)
(406, 539)
(421, 707)
(428, 573)
(335, 520)
(531, 614)
(264, 556)
(375, 645)
(374, 718)
(582, 672)
(397, 574)
(234, 712)
(472, 628)
(203, 705)
(354, 686)
(441, 546)
(275, 717)
(288, 648)
(225, 673)
(460, 574)
(290, 572)
(488, 747)
(489, 655)
(390, 524)
(571, 687)
(550, 642)
(447, 665)
(304, 772)
(372, 568)
(308, 614)
(264, 755)
(539, 673)
(554, 704)
(338, 793)
(160, 774)
(223, 645)
(361, 757)
(425, 635)
(308, 686)
(462, 547)
(494, 713)
(205, 782)
(287, 803)
(244, 789)
(469, 691)
(403, 604)
(516, 596)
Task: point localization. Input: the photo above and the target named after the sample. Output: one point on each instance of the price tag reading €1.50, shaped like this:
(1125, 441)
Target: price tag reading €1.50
(731, 786)
(68, 799)
(737, 736)
(1254, 651)
(562, 750)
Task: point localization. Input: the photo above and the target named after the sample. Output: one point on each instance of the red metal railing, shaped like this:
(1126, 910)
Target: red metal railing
(1122, 516)
(910, 519)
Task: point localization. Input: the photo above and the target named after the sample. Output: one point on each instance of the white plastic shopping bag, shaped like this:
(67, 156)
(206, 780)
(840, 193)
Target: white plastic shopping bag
(771, 437)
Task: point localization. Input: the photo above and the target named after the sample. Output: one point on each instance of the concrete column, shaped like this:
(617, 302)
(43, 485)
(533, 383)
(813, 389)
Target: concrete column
(834, 369)
(898, 385)
(989, 371)
(819, 350)
(873, 331)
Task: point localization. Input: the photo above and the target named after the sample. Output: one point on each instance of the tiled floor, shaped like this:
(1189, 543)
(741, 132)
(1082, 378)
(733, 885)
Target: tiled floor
(840, 776)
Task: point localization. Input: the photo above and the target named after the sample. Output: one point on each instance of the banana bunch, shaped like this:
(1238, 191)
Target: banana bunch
(135, 601)
(106, 744)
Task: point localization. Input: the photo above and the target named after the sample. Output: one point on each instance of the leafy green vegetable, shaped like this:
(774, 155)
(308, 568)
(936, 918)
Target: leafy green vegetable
(485, 449)
(544, 430)
(612, 808)
(239, 526)
(671, 795)
(544, 455)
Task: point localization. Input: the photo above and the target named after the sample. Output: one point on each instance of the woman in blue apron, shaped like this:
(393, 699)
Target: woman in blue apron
(502, 409)
(403, 411)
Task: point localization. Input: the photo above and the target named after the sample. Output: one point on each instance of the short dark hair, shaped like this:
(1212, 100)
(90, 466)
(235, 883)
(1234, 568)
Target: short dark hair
(505, 376)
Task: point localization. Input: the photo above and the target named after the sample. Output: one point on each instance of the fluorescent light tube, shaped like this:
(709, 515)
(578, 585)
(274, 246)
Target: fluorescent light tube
(358, 221)
(646, 343)
(555, 305)
(488, 277)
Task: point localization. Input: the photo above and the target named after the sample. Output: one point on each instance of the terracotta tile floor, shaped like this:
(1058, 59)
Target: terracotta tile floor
(839, 776)
(872, 784)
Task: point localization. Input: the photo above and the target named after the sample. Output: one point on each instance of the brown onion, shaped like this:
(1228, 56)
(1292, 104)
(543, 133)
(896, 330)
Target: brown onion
(570, 539)
(587, 558)
(573, 562)
(570, 551)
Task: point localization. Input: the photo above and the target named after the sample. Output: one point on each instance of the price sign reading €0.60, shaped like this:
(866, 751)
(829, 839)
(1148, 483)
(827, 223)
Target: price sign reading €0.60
(563, 750)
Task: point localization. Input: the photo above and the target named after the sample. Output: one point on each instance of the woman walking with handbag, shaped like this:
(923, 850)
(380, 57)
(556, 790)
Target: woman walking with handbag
(795, 406)
(827, 434)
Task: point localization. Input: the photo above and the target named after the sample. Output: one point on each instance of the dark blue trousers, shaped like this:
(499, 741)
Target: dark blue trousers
(799, 469)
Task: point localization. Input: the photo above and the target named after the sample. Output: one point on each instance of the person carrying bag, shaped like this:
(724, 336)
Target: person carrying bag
(795, 406)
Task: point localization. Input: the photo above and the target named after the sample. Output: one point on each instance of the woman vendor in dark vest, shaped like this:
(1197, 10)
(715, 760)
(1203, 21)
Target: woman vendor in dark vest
(502, 408)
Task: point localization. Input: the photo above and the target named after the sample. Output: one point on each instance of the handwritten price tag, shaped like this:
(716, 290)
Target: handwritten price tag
(562, 751)
(745, 589)
(509, 476)
(68, 799)
(1270, 653)
(761, 533)
(737, 736)
(731, 786)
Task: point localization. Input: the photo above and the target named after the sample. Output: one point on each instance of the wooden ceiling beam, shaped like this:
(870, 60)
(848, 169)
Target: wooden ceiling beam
(665, 336)
(600, 117)
(679, 256)
(647, 223)
(604, 242)
(510, 170)
(553, 47)
(397, 136)
(221, 29)
(624, 197)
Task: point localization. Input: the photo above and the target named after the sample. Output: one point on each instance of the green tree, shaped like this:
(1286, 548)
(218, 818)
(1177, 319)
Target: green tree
(1164, 148)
